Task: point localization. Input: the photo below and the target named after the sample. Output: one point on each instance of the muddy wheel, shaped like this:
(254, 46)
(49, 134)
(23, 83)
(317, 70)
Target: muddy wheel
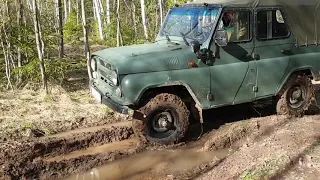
(296, 96)
(165, 122)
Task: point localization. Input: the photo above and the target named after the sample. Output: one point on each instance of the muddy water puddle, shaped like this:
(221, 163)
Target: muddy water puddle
(149, 163)
(91, 129)
(115, 146)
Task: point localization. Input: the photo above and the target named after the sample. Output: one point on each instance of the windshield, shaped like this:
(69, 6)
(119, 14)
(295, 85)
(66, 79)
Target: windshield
(193, 23)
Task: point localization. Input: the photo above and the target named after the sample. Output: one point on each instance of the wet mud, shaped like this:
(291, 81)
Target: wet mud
(152, 163)
(113, 152)
(27, 158)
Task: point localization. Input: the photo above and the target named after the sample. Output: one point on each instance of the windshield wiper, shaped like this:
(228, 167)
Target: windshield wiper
(184, 38)
(167, 36)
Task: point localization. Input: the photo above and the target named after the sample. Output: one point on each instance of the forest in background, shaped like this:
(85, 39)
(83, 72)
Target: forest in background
(42, 40)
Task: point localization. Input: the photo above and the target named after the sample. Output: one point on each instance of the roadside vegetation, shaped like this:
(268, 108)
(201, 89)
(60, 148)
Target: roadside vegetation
(44, 46)
(51, 127)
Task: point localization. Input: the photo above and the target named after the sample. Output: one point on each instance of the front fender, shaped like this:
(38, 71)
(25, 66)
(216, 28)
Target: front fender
(196, 82)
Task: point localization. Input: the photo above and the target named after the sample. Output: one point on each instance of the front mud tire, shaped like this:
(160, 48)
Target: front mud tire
(285, 105)
(162, 104)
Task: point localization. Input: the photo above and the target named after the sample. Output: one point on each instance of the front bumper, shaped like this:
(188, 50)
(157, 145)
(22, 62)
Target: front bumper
(114, 106)
(110, 103)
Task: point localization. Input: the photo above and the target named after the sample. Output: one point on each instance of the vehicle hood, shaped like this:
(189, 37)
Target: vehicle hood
(160, 56)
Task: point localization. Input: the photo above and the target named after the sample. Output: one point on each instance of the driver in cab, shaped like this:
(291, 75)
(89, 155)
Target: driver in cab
(235, 25)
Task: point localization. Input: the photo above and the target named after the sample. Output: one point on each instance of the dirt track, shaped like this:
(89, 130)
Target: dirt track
(230, 148)
(235, 150)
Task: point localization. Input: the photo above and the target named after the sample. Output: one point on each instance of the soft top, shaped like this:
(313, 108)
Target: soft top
(303, 15)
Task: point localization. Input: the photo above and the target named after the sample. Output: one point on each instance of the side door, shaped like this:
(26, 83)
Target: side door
(273, 48)
(233, 62)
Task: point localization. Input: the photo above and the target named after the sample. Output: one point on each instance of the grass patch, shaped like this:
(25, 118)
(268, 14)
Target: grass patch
(266, 170)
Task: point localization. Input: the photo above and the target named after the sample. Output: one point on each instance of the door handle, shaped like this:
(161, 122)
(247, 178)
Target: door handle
(255, 56)
(286, 52)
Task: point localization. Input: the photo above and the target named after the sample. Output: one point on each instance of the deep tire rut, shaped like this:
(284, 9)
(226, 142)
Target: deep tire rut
(25, 159)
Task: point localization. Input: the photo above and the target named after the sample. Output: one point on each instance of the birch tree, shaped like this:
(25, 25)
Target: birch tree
(161, 11)
(19, 22)
(98, 12)
(65, 3)
(108, 11)
(143, 16)
(119, 36)
(69, 7)
(85, 35)
(7, 64)
(39, 43)
(134, 21)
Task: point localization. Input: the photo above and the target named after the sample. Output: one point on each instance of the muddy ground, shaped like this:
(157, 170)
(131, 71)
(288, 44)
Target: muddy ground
(68, 136)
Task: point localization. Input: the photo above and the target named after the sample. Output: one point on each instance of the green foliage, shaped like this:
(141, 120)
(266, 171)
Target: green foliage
(23, 36)
(29, 72)
(56, 71)
(171, 2)
(111, 33)
(72, 31)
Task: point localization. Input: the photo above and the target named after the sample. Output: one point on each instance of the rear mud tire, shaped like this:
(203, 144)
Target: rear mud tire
(164, 102)
(284, 107)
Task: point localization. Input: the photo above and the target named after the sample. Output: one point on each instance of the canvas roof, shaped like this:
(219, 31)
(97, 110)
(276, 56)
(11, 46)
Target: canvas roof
(303, 15)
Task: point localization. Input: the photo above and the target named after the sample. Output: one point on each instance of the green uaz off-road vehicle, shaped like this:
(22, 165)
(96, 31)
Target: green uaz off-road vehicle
(209, 54)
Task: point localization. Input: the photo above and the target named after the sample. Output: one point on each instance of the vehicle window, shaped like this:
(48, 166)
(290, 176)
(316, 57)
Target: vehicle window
(271, 25)
(191, 23)
(237, 25)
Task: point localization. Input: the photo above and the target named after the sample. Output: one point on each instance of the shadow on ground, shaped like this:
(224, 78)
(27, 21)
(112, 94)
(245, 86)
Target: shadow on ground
(76, 80)
(215, 118)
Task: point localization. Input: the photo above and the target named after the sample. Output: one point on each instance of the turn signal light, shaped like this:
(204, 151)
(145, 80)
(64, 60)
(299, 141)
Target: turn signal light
(192, 64)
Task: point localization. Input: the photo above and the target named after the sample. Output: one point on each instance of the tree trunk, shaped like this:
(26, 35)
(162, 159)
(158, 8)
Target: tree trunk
(85, 34)
(60, 28)
(108, 11)
(69, 9)
(143, 14)
(94, 9)
(7, 62)
(161, 11)
(19, 21)
(40, 44)
(134, 21)
(157, 18)
(98, 14)
(119, 36)
(65, 3)
(8, 35)
(100, 7)
(77, 10)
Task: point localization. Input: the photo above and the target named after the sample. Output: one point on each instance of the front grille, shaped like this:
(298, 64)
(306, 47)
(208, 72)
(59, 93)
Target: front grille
(104, 72)
(106, 77)
(107, 81)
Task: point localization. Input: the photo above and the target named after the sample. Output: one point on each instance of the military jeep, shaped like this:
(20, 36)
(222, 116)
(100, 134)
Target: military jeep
(209, 54)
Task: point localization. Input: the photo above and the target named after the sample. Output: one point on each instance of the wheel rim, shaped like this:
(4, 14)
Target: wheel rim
(296, 96)
(162, 124)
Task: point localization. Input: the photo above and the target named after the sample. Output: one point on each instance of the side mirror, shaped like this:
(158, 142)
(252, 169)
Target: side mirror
(221, 38)
(195, 45)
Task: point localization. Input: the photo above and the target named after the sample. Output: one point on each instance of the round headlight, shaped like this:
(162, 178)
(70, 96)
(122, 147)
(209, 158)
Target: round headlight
(93, 64)
(114, 78)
